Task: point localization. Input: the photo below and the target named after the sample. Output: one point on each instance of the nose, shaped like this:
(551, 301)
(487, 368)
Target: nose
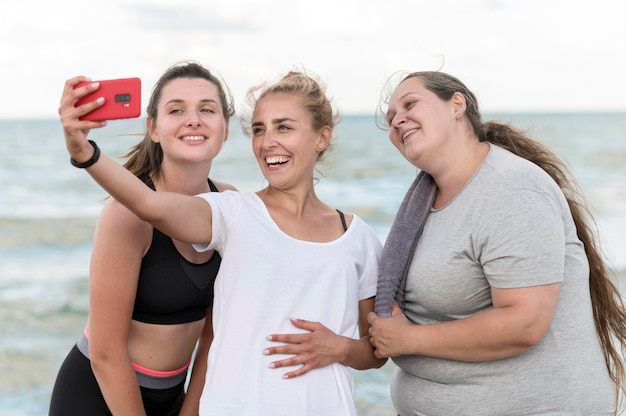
(193, 119)
(269, 141)
(398, 120)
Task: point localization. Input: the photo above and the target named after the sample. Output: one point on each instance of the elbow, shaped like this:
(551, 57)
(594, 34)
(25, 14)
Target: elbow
(372, 364)
(145, 207)
(532, 335)
(534, 338)
(373, 360)
(379, 362)
(101, 360)
(99, 364)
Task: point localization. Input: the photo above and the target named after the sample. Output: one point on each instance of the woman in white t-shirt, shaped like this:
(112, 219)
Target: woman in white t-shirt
(297, 277)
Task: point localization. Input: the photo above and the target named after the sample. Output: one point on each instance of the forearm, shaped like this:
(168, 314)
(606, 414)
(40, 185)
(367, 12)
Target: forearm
(120, 183)
(360, 354)
(191, 405)
(518, 319)
(118, 384)
(490, 335)
(175, 214)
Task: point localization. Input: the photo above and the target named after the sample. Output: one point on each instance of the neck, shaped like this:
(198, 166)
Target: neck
(296, 201)
(458, 171)
(189, 180)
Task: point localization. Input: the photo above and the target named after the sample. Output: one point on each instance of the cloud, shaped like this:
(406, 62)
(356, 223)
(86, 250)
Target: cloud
(517, 56)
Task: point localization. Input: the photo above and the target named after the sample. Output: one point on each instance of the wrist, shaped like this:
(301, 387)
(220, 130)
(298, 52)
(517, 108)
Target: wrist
(95, 155)
(347, 344)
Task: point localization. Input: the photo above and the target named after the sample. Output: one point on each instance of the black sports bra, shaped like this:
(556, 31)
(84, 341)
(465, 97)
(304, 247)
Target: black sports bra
(172, 290)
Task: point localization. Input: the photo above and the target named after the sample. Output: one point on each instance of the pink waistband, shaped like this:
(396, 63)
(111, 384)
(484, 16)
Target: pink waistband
(149, 372)
(160, 373)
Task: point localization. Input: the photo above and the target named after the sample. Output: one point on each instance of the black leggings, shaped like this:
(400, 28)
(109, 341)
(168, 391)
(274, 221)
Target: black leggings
(76, 392)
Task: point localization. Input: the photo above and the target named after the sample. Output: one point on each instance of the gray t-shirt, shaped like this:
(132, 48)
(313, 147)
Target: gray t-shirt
(510, 227)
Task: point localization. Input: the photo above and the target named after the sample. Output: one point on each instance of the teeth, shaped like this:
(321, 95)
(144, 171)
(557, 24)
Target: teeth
(277, 159)
(405, 135)
(193, 138)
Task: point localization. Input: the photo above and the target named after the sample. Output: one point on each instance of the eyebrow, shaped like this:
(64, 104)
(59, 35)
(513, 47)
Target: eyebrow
(276, 121)
(282, 120)
(178, 101)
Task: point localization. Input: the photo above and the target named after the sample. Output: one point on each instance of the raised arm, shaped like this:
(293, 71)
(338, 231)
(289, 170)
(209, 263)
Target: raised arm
(182, 217)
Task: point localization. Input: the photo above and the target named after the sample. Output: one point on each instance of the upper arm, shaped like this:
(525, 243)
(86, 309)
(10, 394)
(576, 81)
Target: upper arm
(184, 218)
(521, 240)
(120, 242)
(365, 306)
(522, 254)
(533, 308)
(206, 336)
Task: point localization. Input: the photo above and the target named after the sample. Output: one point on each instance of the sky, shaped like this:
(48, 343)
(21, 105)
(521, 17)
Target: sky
(516, 55)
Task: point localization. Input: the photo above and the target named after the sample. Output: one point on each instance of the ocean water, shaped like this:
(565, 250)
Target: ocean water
(48, 211)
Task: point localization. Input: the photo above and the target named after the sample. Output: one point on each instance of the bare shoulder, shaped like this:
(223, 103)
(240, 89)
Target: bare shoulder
(348, 216)
(116, 218)
(223, 186)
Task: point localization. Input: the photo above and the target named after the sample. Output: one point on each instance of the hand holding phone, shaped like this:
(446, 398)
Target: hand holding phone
(122, 99)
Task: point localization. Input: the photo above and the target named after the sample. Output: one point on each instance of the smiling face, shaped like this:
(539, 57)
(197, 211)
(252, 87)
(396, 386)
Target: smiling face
(284, 142)
(419, 121)
(190, 125)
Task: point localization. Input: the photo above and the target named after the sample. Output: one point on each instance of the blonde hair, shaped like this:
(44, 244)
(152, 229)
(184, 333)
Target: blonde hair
(312, 93)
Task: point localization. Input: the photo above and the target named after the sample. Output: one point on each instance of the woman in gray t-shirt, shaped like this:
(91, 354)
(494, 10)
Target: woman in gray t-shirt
(497, 316)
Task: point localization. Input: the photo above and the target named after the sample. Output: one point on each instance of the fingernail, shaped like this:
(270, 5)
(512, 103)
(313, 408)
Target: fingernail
(266, 352)
(294, 319)
(285, 376)
(272, 365)
(100, 100)
(269, 337)
(95, 84)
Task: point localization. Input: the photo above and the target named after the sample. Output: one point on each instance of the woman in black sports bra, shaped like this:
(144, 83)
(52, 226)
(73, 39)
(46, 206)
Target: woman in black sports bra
(150, 296)
(295, 284)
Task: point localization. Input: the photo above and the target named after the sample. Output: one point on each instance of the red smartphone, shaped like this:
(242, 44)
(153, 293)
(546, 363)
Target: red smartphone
(122, 99)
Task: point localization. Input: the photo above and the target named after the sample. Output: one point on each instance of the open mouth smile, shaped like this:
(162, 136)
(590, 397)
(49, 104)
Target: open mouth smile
(277, 160)
(408, 133)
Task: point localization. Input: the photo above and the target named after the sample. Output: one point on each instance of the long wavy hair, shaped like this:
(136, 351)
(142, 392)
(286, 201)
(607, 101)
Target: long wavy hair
(607, 303)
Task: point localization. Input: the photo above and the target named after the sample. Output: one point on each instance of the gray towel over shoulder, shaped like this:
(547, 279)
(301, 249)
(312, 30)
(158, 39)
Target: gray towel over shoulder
(401, 242)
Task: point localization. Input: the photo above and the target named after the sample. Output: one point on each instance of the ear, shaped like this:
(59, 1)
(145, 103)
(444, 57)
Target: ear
(151, 126)
(226, 124)
(459, 105)
(326, 133)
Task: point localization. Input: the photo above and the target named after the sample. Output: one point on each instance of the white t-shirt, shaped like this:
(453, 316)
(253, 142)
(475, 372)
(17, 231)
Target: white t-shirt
(265, 278)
